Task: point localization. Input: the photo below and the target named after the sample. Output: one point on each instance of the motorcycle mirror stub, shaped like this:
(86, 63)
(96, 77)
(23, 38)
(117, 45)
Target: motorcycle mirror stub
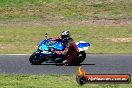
(46, 35)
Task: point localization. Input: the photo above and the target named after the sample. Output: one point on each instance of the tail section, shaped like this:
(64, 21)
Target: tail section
(82, 45)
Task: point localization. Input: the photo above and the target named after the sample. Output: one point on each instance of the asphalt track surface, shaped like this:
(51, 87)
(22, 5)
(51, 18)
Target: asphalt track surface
(94, 64)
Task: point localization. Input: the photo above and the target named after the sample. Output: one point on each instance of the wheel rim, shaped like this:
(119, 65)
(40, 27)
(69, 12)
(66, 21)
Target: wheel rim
(35, 59)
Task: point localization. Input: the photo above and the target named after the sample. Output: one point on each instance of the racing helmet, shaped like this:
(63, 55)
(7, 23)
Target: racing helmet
(65, 35)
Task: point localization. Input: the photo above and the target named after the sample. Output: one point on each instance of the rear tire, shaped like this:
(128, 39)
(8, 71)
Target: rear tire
(81, 57)
(33, 60)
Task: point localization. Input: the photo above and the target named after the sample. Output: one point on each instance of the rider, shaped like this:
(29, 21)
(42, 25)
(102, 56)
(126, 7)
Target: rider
(71, 50)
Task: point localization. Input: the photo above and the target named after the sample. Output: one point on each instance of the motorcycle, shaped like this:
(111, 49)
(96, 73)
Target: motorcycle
(47, 48)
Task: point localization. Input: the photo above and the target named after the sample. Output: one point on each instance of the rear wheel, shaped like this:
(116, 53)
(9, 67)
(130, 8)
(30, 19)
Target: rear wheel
(81, 57)
(35, 59)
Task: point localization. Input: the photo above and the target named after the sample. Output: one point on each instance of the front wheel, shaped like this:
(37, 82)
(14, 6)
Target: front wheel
(34, 59)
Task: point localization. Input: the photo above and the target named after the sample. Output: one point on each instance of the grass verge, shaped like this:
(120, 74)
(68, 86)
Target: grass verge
(103, 38)
(49, 81)
(21, 37)
(65, 9)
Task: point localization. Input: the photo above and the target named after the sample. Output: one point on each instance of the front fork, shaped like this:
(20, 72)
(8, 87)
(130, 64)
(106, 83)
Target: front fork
(38, 55)
(42, 56)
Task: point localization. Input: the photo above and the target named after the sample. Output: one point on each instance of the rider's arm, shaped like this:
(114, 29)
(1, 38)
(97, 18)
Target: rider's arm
(68, 44)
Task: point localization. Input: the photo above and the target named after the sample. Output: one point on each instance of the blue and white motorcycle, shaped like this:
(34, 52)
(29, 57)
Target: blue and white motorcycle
(46, 52)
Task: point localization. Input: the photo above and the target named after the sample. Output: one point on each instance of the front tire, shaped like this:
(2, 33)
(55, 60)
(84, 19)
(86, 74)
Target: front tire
(33, 59)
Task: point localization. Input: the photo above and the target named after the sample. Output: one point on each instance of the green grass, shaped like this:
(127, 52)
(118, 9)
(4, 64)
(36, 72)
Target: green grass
(65, 9)
(25, 39)
(49, 81)
(19, 33)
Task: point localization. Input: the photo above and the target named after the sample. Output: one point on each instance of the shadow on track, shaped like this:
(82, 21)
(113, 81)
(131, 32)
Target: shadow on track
(87, 64)
(63, 65)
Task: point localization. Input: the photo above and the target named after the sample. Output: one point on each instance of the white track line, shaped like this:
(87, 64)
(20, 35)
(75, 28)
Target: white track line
(15, 54)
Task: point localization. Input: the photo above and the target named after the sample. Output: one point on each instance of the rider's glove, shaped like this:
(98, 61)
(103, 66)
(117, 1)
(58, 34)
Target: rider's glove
(58, 52)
